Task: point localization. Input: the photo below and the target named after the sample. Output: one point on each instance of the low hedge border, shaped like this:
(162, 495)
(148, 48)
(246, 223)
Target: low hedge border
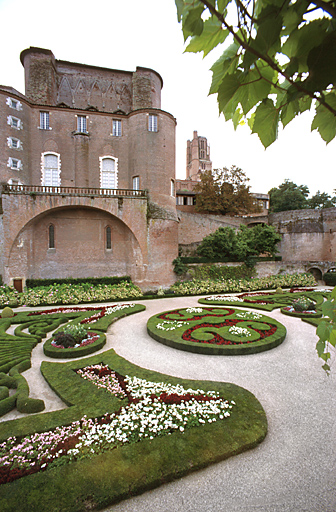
(34, 283)
(174, 338)
(118, 474)
(15, 350)
(71, 352)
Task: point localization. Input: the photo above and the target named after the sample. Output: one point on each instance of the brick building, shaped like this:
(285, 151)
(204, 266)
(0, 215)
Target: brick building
(87, 168)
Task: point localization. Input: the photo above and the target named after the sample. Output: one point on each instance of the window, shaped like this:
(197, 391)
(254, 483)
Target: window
(14, 122)
(136, 183)
(172, 188)
(108, 172)
(152, 123)
(179, 200)
(14, 143)
(51, 234)
(14, 163)
(116, 127)
(51, 170)
(81, 124)
(108, 238)
(12, 103)
(44, 121)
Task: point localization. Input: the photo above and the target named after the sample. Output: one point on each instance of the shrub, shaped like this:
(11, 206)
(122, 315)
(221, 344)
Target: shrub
(179, 267)
(7, 313)
(303, 304)
(66, 340)
(221, 272)
(330, 278)
(77, 331)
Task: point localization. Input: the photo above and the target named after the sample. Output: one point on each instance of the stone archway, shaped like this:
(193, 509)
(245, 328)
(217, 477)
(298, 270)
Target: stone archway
(316, 272)
(80, 247)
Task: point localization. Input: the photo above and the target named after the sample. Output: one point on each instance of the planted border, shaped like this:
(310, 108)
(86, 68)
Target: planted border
(16, 349)
(71, 352)
(119, 473)
(215, 331)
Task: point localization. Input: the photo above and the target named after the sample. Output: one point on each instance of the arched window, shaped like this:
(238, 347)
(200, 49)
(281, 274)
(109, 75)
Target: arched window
(108, 172)
(51, 169)
(51, 236)
(108, 237)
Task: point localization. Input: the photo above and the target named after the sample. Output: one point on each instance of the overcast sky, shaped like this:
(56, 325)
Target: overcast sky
(123, 34)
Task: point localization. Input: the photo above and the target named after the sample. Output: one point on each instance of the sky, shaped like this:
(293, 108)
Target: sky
(124, 34)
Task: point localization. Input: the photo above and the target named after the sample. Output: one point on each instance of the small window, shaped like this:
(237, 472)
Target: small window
(81, 124)
(14, 143)
(136, 183)
(116, 127)
(14, 163)
(152, 123)
(15, 104)
(51, 233)
(14, 122)
(179, 200)
(172, 188)
(44, 121)
(108, 238)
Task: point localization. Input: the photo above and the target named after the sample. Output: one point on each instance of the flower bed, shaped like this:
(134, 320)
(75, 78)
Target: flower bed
(271, 300)
(16, 349)
(217, 331)
(89, 345)
(122, 418)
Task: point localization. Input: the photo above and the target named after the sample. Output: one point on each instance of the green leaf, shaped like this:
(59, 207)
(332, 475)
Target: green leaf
(322, 64)
(230, 84)
(301, 41)
(326, 367)
(224, 65)
(323, 331)
(332, 338)
(289, 111)
(266, 122)
(320, 347)
(328, 308)
(192, 23)
(324, 120)
(180, 6)
(256, 86)
(221, 5)
(211, 36)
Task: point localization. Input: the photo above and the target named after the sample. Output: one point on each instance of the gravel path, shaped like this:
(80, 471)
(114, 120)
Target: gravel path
(293, 470)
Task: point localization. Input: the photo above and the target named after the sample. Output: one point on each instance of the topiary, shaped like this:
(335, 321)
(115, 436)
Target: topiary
(279, 290)
(7, 313)
(64, 340)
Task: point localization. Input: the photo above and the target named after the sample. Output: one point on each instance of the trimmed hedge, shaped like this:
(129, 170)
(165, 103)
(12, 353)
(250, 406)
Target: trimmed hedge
(33, 283)
(174, 338)
(330, 278)
(118, 474)
(71, 352)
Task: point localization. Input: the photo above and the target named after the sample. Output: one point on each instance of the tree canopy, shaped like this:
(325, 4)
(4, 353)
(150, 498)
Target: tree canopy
(225, 191)
(289, 196)
(279, 59)
(241, 245)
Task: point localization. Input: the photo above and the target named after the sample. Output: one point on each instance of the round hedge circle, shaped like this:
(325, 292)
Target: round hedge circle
(51, 350)
(216, 331)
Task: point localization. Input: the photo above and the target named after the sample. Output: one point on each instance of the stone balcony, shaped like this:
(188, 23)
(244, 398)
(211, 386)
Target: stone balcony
(34, 190)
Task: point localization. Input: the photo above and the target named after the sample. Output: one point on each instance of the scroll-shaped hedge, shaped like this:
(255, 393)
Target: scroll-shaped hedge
(216, 331)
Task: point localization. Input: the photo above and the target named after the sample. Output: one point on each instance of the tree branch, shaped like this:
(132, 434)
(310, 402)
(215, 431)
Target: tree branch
(266, 58)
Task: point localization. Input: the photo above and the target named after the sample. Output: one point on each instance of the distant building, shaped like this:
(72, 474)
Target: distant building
(198, 161)
(87, 167)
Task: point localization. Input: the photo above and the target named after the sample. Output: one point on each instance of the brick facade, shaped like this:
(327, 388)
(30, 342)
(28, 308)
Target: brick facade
(78, 130)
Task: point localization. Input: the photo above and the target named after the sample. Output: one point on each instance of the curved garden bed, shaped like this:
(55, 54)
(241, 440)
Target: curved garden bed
(216, 331)
(94, 342)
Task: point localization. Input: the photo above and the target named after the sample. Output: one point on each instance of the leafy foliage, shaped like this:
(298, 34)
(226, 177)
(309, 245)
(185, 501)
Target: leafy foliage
(326, 331)
(240, 246)
(289, 196)
(225, 191)
(278, 61)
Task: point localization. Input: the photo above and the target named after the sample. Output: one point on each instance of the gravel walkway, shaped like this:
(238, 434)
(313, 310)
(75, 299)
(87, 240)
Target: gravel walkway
(293, 470)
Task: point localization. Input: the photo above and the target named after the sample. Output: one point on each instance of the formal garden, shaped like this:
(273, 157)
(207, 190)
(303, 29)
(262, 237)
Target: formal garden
(118, 417)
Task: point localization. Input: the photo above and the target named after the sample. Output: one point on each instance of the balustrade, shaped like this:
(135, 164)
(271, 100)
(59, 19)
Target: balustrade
(71, 191)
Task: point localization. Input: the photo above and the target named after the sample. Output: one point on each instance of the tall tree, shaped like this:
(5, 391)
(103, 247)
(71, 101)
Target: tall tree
(225, 191)
(288, 196)
(321, 200)
(280, 62)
